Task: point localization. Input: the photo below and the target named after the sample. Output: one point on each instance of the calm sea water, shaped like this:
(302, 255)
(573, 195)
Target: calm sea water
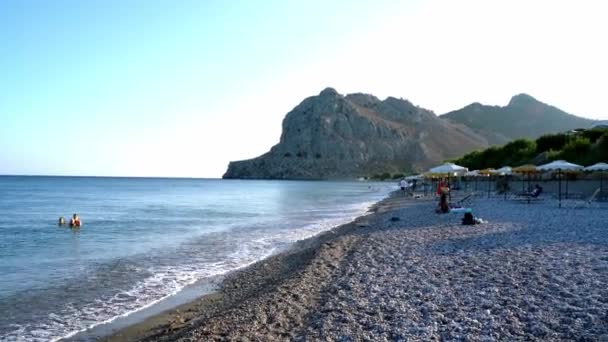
(144, 239)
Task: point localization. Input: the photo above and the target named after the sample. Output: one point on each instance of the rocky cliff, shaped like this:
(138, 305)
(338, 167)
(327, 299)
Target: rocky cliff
(334, 136)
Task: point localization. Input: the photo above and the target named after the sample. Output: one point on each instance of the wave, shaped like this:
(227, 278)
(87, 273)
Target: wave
(145, 280)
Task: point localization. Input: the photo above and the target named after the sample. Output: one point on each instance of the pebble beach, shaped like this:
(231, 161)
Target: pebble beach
(530, 272)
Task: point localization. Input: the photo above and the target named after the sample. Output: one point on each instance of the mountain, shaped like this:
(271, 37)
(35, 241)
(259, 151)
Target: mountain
(332, 136)
(523, 117)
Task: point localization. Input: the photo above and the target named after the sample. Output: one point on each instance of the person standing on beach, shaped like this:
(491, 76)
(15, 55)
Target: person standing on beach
(443, 207)
(403, 185)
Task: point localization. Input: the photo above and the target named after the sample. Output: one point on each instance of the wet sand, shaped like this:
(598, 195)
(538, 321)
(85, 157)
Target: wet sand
(533, 271)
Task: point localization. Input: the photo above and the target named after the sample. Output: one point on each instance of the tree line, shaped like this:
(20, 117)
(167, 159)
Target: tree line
(584, 147)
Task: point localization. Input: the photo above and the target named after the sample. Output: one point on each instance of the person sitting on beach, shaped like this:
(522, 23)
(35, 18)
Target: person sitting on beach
(75, 221)
(537, 191)
(61, 221)
(443, 206)
(468, 219)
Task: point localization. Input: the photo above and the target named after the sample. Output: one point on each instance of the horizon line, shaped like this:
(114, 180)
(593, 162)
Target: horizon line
(88, 176)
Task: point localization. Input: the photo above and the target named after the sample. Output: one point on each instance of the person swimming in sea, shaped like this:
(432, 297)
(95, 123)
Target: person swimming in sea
(75, 221)
(61, 221)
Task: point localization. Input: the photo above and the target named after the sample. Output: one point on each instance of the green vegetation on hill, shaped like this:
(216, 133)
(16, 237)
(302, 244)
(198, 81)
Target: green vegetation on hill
(583, 147)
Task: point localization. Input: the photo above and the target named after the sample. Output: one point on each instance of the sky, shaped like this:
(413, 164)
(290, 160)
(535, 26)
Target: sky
(180, 88)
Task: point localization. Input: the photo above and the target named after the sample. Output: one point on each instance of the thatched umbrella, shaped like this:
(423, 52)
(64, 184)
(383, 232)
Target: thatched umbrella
(559, 166)
(527, 169)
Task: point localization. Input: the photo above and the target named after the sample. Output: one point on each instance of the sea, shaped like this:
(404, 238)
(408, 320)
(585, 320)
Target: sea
(145, 240)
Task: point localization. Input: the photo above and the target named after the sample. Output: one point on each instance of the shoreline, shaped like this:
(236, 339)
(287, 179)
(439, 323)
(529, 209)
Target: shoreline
(531, 271)
(216, 295)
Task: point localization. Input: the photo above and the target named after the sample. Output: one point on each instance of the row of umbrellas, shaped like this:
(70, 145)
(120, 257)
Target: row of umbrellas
(562, 165)
(451, 169)
(558, 165)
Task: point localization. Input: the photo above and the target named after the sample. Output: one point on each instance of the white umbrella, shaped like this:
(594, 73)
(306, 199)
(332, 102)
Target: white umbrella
(505, 170)
(597, 167)
(559, 166)
(449, 168)
(601, 167)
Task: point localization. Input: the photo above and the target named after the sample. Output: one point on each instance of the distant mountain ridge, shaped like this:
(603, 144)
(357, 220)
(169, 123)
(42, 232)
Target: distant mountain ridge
(523, 117)
(331, 136)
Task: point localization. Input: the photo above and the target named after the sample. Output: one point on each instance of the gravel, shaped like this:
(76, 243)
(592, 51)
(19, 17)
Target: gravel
(532, 272)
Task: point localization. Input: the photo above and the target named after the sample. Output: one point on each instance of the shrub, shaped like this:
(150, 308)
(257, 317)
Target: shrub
(551, 142)
(585, 148)
(576, 150)
(600, 149)
(553, 155)
(594, 134)
(518, 152)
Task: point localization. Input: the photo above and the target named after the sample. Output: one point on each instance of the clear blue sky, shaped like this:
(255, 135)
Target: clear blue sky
(179, 88)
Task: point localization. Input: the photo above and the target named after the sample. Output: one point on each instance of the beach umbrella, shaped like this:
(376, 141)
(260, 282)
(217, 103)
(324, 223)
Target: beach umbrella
(560, 166)
(506, 172)
(527, 169)
(475, 174)
(566, 173)
(601, 168)
(488, 173)
(448, 169)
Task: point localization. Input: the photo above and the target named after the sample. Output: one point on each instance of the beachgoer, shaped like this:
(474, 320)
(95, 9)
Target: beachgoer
(468, 219)
(403, 185)
(537, 190)
(443, 206)
(61, 221)
(442, 187)
(75, 221)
